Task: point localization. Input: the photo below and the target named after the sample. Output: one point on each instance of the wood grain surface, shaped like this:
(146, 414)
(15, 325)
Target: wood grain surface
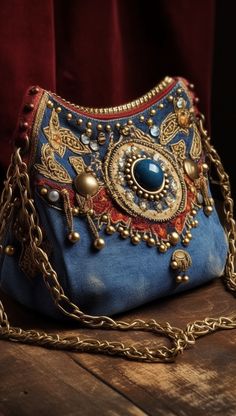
(38, 381)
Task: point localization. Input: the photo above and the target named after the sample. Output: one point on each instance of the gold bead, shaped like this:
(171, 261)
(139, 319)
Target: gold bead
(110, 229)
(174, 265)
(145, 237)
(89, 124)
(208, 210)
(161, 106)
(150, 122)
(50, 104)
(88, 132)
(86, 184)
(108, 127)
(125, 234)
(43, 191)
(153, 112)
(186, 241)
(130, 122)
(174, 238)
(189, 235)
(101, 138)
(170, 98)
(178, 279)
(9, 250)
(168, 244)
(135, 239)
(74, 236)
(120, 229)
(99, 127)
(90, 212)
(194, 212)
(104, 218)
(191, 169)
(79, 121)
(69, 116)
(185, 279)
(99, 243)
(162, 248)
(118, 125)
(58, 109)
(205, 167)
(141, 118)
(196, 223)
(151, 242)
(179, 90)
(75, 211)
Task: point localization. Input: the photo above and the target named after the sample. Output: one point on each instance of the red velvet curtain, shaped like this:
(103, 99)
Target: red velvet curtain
(100, 52)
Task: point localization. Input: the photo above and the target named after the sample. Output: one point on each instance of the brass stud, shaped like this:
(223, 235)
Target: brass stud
(145, 237)
(79, 121)
(90, 212)
(50, 104)
(208, 210)
(194, 212)
(101, 138)
(43, 191)
(161, 106)
(118, 125)
(99, 243)
(86, 184)
(58, 109)
(88, 132)
(179, 90)
(108, 127)
(99, 127)
(185, 279)
(205, 167)
(89, 124)
(110, 229)
(9, 250)
(120, 229)
(69, 116)
(189, 235)
(150, 122)
(153, 112)
(186, 241)
(174, 265)
(178, 279)
(168, 244)
(141, 118)
(130, 122)
(170, 98)
(74, 236)
(29, 107)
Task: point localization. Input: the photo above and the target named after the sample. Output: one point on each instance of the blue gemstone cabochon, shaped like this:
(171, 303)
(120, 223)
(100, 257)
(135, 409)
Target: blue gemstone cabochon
(148, 174)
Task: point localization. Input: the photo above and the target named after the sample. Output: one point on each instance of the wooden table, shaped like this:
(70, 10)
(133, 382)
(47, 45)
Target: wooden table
(36, 381)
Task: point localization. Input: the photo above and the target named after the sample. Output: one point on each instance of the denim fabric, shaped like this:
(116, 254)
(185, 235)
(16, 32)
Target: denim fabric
(121, 276)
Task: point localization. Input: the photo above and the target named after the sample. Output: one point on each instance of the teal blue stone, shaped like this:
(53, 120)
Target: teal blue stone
(148, 174)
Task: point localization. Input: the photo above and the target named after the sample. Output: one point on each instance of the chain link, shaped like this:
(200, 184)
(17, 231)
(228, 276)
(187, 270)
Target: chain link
(18, 183)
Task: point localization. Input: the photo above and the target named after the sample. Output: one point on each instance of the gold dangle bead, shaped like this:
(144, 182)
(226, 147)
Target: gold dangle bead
(208, 210)
(110, 229)
(135, 239)
(178, 279)
(75, 211)
(151, 242)
(162, 248)
(74, 237)
(125, 234)
(99, 243)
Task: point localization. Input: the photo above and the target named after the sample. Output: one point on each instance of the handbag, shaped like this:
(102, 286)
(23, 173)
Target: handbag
(109, 209)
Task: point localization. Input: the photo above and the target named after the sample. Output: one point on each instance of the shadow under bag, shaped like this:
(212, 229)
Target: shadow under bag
(108, 209)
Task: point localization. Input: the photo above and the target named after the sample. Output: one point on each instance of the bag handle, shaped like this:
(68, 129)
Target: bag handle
(180, 339)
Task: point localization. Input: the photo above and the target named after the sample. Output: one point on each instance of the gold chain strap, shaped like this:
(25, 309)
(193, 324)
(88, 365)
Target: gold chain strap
(18, 179)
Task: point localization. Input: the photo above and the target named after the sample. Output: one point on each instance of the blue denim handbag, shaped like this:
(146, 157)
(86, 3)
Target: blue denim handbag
(111, 208)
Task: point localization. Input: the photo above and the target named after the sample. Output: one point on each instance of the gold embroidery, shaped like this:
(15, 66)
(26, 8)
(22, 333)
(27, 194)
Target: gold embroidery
(59, 138)
(169, 128)
(196, 148)
(77, 163)
(179, 149)
(51, 168)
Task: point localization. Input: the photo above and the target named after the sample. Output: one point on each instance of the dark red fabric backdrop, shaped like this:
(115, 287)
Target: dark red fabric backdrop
(101, 52)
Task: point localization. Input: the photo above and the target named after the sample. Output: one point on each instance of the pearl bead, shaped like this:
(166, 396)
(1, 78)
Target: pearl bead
(53, 196)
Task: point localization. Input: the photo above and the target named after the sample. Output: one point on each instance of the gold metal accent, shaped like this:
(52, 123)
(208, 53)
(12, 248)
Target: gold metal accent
(69, 116)
(50, 168)
(169, 128)
(179, 149)
(50, 104)
(124, 107)
(196, 147)
(99, 243)
(78, 164)
(150, 122)
(191, 169)
(43, 191)
(86, 184)
(74, 237)
(110, 229)
(174, 238)
(58, 109)
(9, 250)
